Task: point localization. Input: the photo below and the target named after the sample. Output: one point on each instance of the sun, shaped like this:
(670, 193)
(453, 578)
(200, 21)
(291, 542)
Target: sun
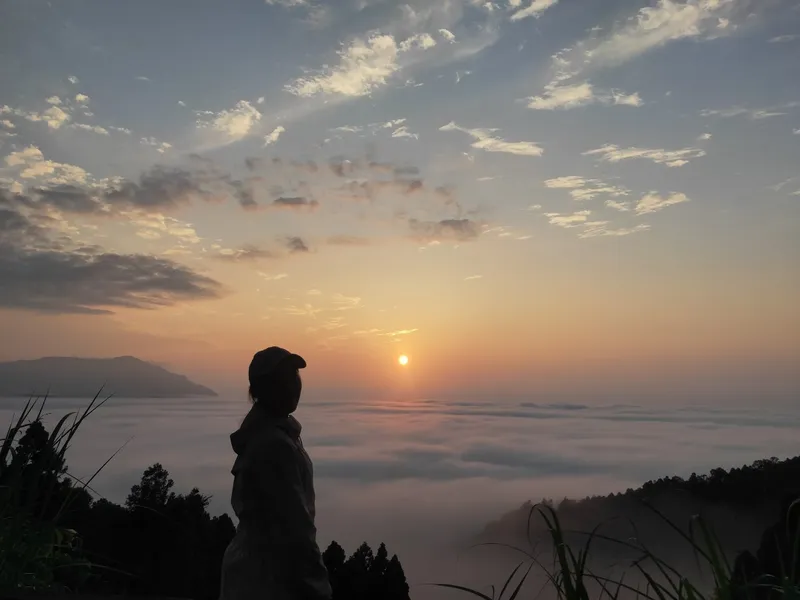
(403, 360)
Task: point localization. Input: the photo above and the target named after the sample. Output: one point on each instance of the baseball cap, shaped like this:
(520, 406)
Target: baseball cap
(265, 361)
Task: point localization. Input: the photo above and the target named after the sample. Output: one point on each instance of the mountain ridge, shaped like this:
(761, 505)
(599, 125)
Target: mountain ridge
(75, 377)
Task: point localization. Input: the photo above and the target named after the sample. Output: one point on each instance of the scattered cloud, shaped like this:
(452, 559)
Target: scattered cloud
(473, 277)
(576, 219)
(72, 79)
(181, 103)
(235, 123)
(295, 245)
(671, 158)
(93, 128)
(31, 164)
(247, 253)
(581, 188)
(364, 66)
(161, 147)
(461, 230)
(81, 98)
(295, 203)
(143, 78)
(703, 137)
(653, 202)
(349, 240)
(780, 39)
(600, 229)
(403, 132)
(54, 100)
(447, 35)
(534, 9)
(751, 113)
(273, 136)
(575, 95)
(485, 140)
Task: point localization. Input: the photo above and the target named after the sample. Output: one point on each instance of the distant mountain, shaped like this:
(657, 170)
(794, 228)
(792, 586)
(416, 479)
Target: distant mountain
(124, 376)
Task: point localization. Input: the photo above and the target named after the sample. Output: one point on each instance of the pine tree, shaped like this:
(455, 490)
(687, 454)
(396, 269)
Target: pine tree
(396, 584)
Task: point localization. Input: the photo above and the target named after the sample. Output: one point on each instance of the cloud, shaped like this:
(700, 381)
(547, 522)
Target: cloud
(703, 137)
(363, 66)
(40, 274)
(655, 26)
(181, 103)
(269, 277)
(671, 158)
(143, 78)
(751, 113)
(484, 140)
(600, 229)
(342, 302)
(295, 245)
(576, 219)
(348, 240)
(247, 253)
(617, 205)
(534, 9)
(81, 98)
(653, 202)
(72, 79)
(447, 35)
(54, 100)
(235, 123)
(31, 164)
(93, 128)
(780, 39)
(403, 132)
(422, 41)
(649, 28)
(585, 189)
(161, 147)
(473, 277)
(557, 96)
(462, 230)
(273, 136)
(295, 203)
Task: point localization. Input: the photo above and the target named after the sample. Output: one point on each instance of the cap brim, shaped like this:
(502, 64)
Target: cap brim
(296, 361)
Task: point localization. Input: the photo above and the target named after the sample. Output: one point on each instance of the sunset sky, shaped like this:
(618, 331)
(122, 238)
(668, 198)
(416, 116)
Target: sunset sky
(522, 196)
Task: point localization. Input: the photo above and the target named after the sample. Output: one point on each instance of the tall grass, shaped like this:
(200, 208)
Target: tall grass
(36, 550)
(571, 576)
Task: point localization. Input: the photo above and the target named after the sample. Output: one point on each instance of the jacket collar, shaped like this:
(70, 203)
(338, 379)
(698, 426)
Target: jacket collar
(257, 422)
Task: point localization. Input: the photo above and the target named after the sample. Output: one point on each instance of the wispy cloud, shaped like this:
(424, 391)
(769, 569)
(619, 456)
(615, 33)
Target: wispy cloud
(473, 277)
(557, 96)
(581, 188)
(364, 66)
(653, 202)
(485, 140)
(671, 158)
(781, 39)
(534, 9)
(751, 113)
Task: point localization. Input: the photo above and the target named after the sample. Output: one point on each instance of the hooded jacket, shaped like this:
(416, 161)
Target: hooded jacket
(274, 554)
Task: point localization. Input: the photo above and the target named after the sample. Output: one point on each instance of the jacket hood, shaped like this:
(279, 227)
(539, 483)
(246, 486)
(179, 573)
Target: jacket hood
(259, 422)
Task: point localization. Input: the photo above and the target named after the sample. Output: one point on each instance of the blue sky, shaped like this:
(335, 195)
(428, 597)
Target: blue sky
(450, 156)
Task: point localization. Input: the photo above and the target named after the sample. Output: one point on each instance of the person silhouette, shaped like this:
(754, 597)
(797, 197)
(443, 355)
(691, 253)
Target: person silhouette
(274, 553)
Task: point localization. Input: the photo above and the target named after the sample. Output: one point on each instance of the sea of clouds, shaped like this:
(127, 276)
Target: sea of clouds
(425, 475)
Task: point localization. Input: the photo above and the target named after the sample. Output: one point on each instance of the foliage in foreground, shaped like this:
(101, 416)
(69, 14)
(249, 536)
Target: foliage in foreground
(772, 574)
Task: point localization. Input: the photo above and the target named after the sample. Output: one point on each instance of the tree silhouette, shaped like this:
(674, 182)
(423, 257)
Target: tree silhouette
(153, 491)
(365, 576)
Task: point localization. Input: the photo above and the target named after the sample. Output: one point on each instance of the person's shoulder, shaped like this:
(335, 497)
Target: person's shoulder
(273, 441)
